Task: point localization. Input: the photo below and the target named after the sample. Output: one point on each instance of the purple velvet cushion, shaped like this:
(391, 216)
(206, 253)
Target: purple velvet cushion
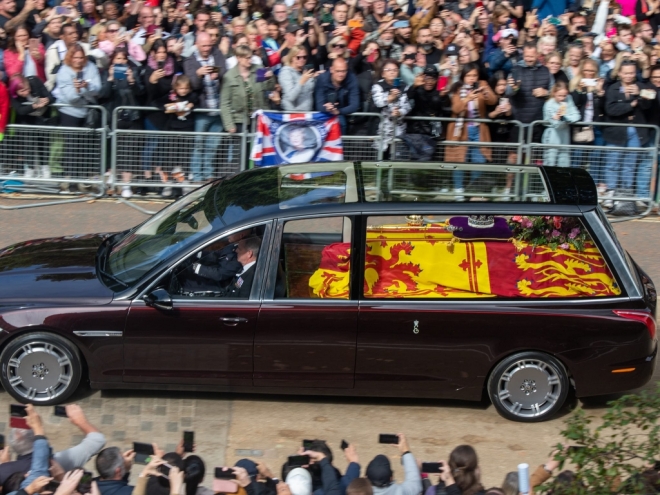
(463, 231)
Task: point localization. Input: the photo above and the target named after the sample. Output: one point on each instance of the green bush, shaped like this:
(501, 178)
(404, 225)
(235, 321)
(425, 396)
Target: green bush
(614, 450)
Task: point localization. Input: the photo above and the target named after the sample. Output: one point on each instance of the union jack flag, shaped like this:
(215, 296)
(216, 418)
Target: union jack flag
(296, 138)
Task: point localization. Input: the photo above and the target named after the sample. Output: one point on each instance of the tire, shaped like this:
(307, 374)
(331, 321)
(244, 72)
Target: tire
(40, 368)
(528, 387)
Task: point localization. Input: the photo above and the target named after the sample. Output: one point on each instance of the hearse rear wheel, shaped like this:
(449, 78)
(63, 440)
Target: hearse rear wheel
(528, 387)
(40, 368)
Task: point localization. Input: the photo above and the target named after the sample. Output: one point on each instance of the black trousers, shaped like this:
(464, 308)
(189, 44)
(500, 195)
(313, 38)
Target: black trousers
(75, 149)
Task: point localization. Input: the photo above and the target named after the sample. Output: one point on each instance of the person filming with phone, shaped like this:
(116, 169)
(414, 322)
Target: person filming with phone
(461, 474)
(297, 81)
(390, 97)
(337, 92)
(379, 470)
(528, 87)
(22, 442)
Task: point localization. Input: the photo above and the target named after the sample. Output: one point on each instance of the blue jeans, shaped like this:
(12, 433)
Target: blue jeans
(473, 155)
(205, 146)
(623, 169)
(40, 462)
(150, 147)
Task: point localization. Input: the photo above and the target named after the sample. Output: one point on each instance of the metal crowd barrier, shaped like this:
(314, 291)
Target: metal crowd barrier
(136, 151)
(48, 159)
(44, 159)
(610, 166)
(462, 182)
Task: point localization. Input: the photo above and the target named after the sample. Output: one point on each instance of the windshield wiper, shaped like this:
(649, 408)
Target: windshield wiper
(113, 278)
(102, 256)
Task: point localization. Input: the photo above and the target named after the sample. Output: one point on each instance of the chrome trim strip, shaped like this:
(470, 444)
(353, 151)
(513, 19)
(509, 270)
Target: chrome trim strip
(98, 333)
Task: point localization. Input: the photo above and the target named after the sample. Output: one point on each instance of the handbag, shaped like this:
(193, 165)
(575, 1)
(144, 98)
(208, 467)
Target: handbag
(583, 134)
(93, 119)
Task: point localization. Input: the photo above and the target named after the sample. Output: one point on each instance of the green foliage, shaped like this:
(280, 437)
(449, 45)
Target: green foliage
(613, 451)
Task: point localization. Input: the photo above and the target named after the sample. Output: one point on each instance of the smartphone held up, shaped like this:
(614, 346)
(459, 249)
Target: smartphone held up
(222, 482)
(388, 438)
(17, 415)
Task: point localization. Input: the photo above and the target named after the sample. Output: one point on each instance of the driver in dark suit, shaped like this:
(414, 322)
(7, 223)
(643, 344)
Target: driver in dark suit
(246, 254)
(212, 272)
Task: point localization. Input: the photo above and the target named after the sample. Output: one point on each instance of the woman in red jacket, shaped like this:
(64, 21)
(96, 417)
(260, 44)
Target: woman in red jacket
(24, 56)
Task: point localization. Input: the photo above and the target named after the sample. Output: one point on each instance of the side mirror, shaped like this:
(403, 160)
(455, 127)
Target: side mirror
(159, 299)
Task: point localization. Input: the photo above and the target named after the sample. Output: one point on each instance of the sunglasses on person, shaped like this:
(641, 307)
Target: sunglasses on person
(301, 57)
(339, 46)
(113, 30)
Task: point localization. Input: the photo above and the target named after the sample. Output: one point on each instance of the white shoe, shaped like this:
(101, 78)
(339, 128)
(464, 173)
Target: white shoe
(506, 192)
(126, 192)
(608, 203)
(45, 172)
(458, 194)
(167, 192)
(28, 172)
(444, 190)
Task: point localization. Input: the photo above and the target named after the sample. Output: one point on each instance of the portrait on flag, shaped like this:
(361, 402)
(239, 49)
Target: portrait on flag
(296, 138)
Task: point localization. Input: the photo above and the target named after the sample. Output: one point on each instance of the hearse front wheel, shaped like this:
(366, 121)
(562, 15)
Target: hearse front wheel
(40, 368)
(528, 387)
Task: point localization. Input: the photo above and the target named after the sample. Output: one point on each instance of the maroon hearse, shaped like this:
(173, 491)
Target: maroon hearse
(355, 279)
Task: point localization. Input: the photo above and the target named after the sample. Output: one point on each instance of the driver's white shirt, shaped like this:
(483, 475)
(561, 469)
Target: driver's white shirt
(246, 268)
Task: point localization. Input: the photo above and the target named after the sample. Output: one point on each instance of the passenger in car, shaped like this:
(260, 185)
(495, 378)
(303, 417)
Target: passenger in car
(246, 254)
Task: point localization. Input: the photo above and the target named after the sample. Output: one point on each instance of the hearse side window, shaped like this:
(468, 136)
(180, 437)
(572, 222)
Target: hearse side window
(483, 256)
(314, 259)
(223, 269)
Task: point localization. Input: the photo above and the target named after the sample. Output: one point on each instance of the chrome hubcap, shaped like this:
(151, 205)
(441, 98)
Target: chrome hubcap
(39, 371)
(529, 388)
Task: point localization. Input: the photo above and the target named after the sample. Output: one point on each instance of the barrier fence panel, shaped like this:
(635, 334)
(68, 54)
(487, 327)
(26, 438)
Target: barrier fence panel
(622, 174)
(53, 159)
(162, 162)
(462, 183)
(46, 159)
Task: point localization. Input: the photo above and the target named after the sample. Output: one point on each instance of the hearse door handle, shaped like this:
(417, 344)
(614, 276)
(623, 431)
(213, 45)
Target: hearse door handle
(232, 321)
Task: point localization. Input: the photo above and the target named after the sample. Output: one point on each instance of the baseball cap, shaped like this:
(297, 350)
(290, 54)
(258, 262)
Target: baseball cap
(379, 471)
(299, 481)
(451, 50)
(293, 28)
(431, 70)
(505, 33)
(249, 466)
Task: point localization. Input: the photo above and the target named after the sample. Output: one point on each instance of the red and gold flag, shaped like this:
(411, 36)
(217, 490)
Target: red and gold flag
(426, 262)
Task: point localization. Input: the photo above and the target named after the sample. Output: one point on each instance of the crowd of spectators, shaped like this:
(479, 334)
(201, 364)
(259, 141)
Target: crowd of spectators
(561, 61)
(37, 470)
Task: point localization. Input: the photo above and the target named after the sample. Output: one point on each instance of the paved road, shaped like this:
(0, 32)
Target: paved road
(227, 426)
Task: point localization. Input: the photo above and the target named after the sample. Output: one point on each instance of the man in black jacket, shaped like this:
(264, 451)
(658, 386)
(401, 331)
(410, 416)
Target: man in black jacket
(528, 87)
(625, 103)
(429, 102)
(246, 253)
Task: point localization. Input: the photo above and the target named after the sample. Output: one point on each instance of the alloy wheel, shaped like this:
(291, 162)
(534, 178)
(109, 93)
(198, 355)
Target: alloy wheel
(39, 371)
(529, 388)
